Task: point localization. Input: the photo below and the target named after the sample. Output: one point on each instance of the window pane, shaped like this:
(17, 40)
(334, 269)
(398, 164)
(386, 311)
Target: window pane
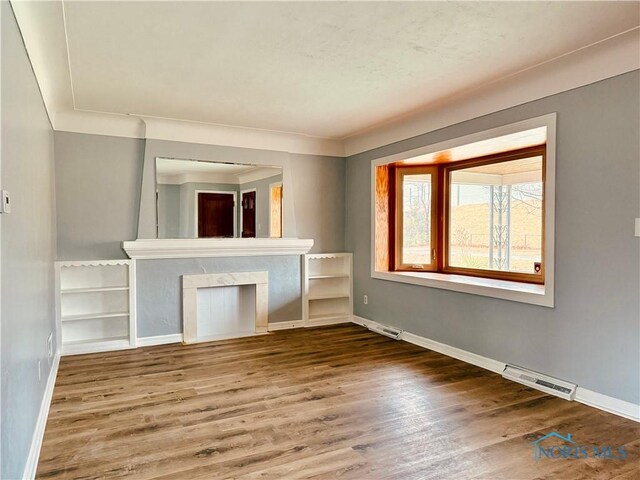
(496, 216)
(416, 222)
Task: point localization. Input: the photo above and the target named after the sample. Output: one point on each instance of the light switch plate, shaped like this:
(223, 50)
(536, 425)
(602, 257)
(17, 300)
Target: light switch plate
(637, 227)
(5, 207)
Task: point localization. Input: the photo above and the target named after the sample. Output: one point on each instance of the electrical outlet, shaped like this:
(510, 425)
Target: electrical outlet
(5, 205)
(50, 346)
(366, 299)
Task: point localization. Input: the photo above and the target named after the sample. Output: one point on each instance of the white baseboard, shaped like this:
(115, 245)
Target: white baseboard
(593, 399)
(311, 323)
(329, 321)
(285, 325)
(608, 404)
(448, 350)
(468, 357)
(38, 434)
(159, 340)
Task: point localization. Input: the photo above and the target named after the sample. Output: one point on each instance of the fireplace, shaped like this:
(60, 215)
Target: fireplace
(213, 303)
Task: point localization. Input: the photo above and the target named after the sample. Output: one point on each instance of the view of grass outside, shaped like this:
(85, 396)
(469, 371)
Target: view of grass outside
(470, 224)
(416, 224)
(496, 216)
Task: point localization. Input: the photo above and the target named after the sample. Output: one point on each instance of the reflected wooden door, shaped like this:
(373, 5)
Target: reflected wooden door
(248, 214)
(215, 214)
(275, 226)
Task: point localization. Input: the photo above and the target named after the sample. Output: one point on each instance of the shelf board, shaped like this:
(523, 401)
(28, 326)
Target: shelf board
(93, 316)
(329, 275)
(328, 296)
(93, 290)
(93, 345)
(96, 341)
(328, 316)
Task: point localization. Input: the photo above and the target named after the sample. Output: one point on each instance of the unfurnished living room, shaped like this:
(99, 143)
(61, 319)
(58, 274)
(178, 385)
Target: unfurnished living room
(320, 240)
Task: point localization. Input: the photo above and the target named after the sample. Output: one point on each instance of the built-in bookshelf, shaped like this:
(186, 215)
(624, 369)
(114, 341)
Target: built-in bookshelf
(95, 306)
(328, 288)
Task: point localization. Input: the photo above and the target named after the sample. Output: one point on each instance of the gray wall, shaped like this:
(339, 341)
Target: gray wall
(591, 336)
(319, 191)
(27, 250)
(159, 288)
(168, 211)
(98, 182)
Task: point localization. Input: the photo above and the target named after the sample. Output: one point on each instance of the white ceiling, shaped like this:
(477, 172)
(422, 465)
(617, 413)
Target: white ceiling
(325, 69)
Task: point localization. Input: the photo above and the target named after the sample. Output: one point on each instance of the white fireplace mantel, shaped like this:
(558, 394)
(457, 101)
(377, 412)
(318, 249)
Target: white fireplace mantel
(215, 247)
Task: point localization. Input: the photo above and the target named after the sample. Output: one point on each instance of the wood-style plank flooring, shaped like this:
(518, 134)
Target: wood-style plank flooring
(332, 402)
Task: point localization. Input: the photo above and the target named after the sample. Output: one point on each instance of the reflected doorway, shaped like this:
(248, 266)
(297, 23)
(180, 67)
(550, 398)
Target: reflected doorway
(248, 213)
(216, 213)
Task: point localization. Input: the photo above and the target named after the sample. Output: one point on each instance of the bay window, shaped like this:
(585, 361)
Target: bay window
(474, 210)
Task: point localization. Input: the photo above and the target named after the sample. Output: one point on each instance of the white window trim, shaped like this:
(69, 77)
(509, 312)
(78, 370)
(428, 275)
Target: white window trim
(235, 208)
(516, 291)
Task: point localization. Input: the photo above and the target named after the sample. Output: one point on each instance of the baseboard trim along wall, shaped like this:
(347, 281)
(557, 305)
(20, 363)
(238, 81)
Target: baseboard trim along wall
(159, 340)
(38, 434)
(593, 399)
(608, 404)
(311, 323)
(272, 327)
(329, 321)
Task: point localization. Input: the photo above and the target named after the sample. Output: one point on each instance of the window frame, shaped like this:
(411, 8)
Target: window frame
(397, 244)
(441, 216)
(533, 294)
(528, 152)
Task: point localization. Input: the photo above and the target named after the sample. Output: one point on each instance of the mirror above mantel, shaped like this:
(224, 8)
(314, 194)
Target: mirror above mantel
(149, 245)
(203, 199)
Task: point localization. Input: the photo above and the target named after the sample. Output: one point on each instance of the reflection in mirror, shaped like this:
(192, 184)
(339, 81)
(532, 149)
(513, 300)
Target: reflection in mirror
(197, 199)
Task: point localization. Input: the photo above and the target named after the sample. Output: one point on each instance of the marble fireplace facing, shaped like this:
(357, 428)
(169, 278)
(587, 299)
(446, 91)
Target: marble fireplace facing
(224, 305)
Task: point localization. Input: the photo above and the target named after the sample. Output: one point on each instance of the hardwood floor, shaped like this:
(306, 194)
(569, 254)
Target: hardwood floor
(332, 402)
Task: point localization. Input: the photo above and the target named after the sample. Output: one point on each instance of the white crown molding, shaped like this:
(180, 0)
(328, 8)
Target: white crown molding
(43, 31)
(606, 59)
(258, 174)
(211, 134)
(215, 247)
(197, 177)
(93, 123)
(42, 25)
(135, 126)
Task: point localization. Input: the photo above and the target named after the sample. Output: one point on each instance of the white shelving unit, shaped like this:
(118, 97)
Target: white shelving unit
(95, 306)
(328, 288)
